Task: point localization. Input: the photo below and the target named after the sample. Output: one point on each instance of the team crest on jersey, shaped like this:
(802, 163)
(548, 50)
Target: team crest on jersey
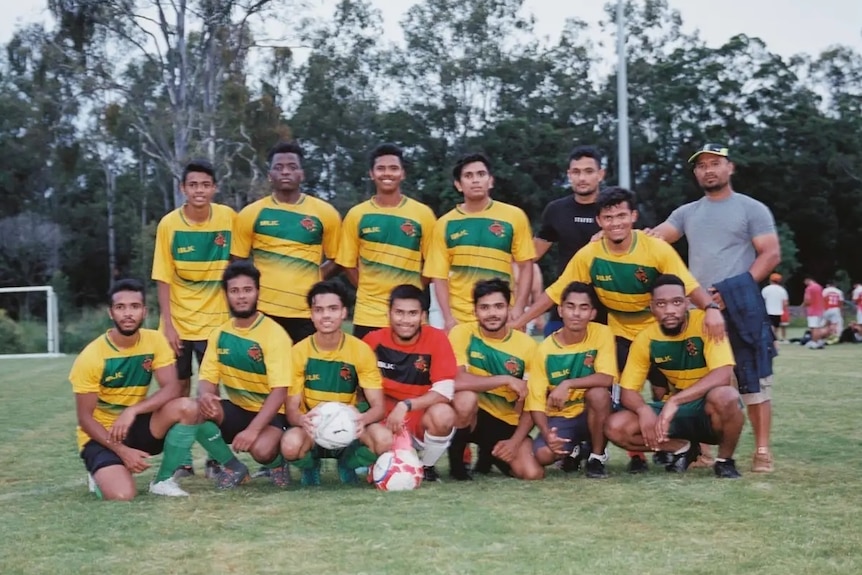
(308, 223)
(220, 240)
(255, 353)
(641, 275)
(421, 364)
(148, 365)
(408, 228)
(589, 359)
(512, 366)
(345, 373)
(690, 348)
(497, 229)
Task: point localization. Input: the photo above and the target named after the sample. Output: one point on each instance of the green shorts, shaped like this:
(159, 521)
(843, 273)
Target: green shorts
(690, 422)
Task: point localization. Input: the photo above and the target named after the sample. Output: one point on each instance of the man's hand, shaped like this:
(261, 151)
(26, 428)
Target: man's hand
(505, 450)
(662, 426)
(519, 386)
(209, 404)
(120, 429)
(245, 439)
(596, 237)
(309, 422)
(135, 460)
(448, 323)
(716, 298)
(648, 420)
(557, 444)
(559, 396)
(172, 336)
(713, 325)
(395, 419)
(514, 313)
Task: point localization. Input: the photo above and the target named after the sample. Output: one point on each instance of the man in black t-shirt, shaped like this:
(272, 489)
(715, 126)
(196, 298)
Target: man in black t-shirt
(571, 221)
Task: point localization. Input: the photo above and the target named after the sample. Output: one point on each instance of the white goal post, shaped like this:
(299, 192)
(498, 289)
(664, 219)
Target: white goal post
(53, 323)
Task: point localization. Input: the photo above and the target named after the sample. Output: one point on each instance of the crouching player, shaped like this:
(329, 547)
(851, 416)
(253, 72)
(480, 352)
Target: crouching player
(418, 368)
(490, 387)
(331, 365)
(249, 356)
(703, 407)
(119, 427)
(569, 387)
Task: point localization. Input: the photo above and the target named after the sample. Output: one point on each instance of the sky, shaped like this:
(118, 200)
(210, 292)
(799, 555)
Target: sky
(786, 26)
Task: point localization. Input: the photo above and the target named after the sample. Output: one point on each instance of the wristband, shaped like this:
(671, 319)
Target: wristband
(408, 403)
(712, 305)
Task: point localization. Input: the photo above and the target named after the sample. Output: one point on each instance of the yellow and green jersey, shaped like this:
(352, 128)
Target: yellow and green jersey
(623, 281)
(468, 247)
(388, 246)
(288, 243)
(684, 359)
(191, 258)
(120, 376)
(333, 375)
(556, 363)
(513, 355)
(248, 362)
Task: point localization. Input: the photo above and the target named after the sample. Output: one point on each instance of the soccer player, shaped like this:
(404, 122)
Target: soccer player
(333, 366)
(292, 238)
(119, 427)
(833, 309)
(569, 388)
(250, 357)
(192, 251)
(856, 296)
(813, 303)
(703, 407)
(418, 367)
(490, 387)
(477, 240)
(570, 222)
(384, 241)
(776, 299)
(732, 248)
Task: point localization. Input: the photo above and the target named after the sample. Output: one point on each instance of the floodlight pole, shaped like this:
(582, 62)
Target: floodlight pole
(622, 99)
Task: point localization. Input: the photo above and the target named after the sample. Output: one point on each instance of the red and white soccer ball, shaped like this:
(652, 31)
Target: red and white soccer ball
(397, 470)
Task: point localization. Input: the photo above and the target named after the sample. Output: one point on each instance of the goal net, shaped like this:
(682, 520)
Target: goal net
(52, 324)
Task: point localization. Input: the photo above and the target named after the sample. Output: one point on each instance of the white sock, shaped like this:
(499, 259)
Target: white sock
(683, 449)
(435, 447)
(598, 456)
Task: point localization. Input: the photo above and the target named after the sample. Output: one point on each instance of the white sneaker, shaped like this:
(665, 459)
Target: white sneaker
(91, 483)
(168, 487)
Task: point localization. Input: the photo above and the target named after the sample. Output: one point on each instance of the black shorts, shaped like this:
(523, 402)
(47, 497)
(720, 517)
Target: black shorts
(298, 328)
(775, 320)
(237, 419)
(184, 360)
(488, 431)
(361, 331)
(96, 456)
(655, 376)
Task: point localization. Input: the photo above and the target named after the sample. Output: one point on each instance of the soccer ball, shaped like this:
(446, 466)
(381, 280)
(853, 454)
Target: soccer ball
(335, 425)
(397, 470)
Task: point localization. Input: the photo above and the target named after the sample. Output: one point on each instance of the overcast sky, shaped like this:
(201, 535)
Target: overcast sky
(787, 26)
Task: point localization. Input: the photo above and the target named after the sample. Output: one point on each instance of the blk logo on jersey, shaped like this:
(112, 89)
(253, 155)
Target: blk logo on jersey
(641, 275)
(220, 240)
(345, 373)
(308, 223)
(408, 228)
(497, 229)
(589, 359)
(420, 364)
(148, 365)
(255, 353)
(690, 348)
(512, 366)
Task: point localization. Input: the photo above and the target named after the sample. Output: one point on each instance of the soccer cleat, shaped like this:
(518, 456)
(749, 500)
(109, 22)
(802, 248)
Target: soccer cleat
(572, 462)
(484, 461)
(431, 474)
(461, 473)
(280, 476)
(726, 469)
(311, 475)
(636, 465)
(662, 458)
(229, 478)
(184, 471)
(595, 469)
(169, 488)
(347, 475)
(262, 472)
(212, 469)
(92, 487)
(681, 461)
(762, 461)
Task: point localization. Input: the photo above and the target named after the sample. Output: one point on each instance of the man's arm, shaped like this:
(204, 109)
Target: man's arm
(169, 388)
(715, 378)
(542, 304)
(164, 294)
(441, 290)
(666, 232)
(329, 269)
(465, 381)
(292, 410)
(85, 406)
(377, 402)
(541, 246)
(352, 275)
(768, 256)
(270, 407)
(522, 287)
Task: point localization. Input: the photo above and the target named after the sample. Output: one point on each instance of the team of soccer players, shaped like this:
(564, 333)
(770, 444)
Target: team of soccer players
(281, 351)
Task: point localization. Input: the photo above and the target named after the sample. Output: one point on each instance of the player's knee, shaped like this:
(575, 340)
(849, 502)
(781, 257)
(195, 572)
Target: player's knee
(291, 445)
(119, 491)
(615, 427)
(723, 399)
(440, 419)
(532, 472)
(464, 404)
(544, 456)
(187, 410)
(598, 398)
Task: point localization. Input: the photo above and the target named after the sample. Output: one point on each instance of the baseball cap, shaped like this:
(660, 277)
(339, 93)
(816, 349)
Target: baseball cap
(716, 149)
(776, 277)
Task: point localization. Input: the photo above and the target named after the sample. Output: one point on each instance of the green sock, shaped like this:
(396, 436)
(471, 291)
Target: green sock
(307, 461)
(178, 444)
(187, 458)
(357, 455)
(209, 436)
(277, 462)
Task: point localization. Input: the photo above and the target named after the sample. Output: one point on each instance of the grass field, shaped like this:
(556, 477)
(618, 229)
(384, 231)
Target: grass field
(804, 518)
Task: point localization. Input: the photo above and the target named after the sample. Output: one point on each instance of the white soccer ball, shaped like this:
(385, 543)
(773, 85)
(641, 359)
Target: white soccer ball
(398, 470)
(334, 425)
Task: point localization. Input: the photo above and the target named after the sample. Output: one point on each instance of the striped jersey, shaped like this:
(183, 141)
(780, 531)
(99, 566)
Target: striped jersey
(288, 243)
(191, 258)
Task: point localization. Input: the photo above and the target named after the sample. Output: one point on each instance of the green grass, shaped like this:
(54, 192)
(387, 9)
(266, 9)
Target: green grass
(804, 518)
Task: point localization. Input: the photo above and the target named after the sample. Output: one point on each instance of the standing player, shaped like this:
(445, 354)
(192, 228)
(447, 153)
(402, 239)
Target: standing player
(250, 357)
(192, 251)
(384, 241)
(292, 238)
(477, 240)
(570, 222)
(833, 309)
(703, 407)
(418, 367)
(119, 427)
(732, 241)
(569, 388)
(776, 300)
(333, 366)
(857, 299)
(494, 362)
(813, 303)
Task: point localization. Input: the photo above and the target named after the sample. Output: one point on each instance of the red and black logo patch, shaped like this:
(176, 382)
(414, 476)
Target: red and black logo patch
(148, 365)
(309, 224)
(255, 353)
(641, 275)
(345, 372)
(497, 229)
(421, 364)
(690, 348)
(512, 366)
(220, 240)
(589, 360)
(408, 228)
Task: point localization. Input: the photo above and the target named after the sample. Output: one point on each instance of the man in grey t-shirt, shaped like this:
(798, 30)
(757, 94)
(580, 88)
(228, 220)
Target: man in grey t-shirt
(728, 234)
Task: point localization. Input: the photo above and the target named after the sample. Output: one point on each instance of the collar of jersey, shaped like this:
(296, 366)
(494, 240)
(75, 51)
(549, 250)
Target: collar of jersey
(298, 202)
(460, 211)
(631, 247)
(339, 348)
(117, 349)
(192, 224)
(256, 323)
(379, 207)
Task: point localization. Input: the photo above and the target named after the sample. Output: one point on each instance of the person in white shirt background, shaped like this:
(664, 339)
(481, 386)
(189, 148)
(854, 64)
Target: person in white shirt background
(776, 299)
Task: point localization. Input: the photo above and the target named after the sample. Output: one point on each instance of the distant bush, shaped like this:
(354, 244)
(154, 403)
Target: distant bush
(82, 327)
(11, 335)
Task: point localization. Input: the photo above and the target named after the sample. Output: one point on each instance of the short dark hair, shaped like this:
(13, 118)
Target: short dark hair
(487, 287)
(579, 152)
(199, 167)
(469, 159)
(614, 196)
(284, 147)
(127, 284)
(326, 287)
(407, 291)
(386, 149)
(580, 287)
(666, 280)
(239, 268)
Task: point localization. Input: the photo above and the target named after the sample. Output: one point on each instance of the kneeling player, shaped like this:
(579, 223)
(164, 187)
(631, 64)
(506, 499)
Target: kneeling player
(569, 387)
(331, 365)
(248, 356)
(418, 368)
(493, 364)
(119, 427)
(703, 407)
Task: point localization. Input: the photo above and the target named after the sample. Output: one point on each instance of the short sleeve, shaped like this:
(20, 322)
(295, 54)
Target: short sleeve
(760, 220)
(163, 261)
(243, 231)
(548, 232)
(606, 359)
(366, 368)
(637, 364)
(717, 354)
(459, 338)
(437, 264)
(278, 370)
(86, 373)
(428, 222)
(537, 384)
(348, 247)
(331, 231)
(298, 361)
(443, 366)
(163, 355)
(676, 219)
(210, 369)
(670, 262)
(576, 270)
(523, 249)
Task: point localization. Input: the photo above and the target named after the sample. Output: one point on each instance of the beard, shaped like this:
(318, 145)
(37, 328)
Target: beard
(501, 325)
(672, 331)
(128, 332)
(408, 337)
(243, 314)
